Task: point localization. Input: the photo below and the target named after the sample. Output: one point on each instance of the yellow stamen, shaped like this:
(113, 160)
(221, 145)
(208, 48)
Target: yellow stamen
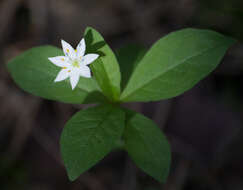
(64, 67)
(69, 71)
(68, 50)
(76, 50)
(63, 59)
(75, 64)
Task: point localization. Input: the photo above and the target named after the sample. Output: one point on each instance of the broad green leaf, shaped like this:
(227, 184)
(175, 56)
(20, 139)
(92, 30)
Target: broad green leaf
(175, 64)
(128, 58)
(34, 73)
(90, 135)
(105, 69)
(147, 145)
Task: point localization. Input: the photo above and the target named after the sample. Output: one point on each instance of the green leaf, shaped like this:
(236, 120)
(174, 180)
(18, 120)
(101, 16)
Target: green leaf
(175, 64)
(105, 69)
(128, 58)
(89, 136)
(34, 73)
(147, 146)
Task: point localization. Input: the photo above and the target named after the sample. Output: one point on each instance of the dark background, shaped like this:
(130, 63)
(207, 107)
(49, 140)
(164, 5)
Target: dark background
(204, 125)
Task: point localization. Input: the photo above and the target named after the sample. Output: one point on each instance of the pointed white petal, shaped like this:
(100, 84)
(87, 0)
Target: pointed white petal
(89, 58)
(60, 61)
(85, 71)
(81, 48)
(68, 50)
(62, 75)
(74, 78)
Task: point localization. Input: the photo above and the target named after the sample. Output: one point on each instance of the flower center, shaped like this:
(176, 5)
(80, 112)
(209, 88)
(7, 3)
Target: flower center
(76, 64)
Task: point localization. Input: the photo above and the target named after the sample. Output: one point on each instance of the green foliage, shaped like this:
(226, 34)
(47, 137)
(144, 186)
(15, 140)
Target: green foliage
(89, 135)
(105, 69)
(34, 73)
(147, 146)
(173, 65)
(128, 58)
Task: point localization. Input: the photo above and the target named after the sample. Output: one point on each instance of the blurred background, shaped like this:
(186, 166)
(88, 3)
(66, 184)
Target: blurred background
(204, 125)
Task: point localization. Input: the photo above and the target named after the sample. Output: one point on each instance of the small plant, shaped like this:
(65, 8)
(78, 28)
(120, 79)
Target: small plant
(173, 65)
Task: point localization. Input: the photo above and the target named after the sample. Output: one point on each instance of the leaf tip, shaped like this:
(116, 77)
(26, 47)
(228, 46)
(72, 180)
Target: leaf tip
(88, 28)
(71, 176)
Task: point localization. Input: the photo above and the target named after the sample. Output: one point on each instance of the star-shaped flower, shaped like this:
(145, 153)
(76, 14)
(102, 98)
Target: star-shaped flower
(74, 63)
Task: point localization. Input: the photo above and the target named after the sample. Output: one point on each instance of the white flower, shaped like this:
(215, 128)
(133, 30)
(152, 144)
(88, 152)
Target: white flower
(74, 63)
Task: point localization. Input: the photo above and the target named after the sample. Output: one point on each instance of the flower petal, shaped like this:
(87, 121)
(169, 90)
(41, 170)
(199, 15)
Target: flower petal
(81, 48)
(74, 78)
(89, 58)
(62, 75)
(60, 61)
(85, 71)
(68, 50)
